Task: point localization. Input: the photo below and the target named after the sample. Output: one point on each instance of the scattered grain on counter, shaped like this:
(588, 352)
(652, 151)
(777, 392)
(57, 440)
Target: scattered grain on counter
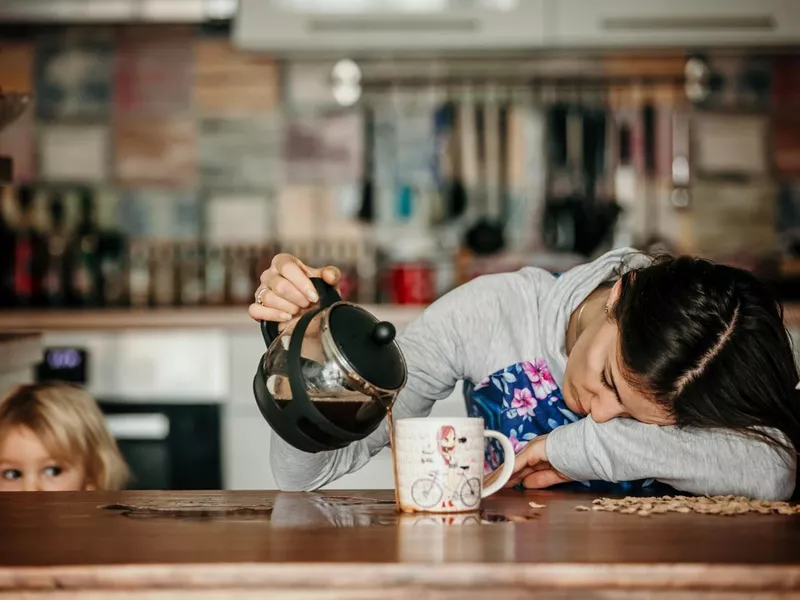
(704, 505)
(534, 505)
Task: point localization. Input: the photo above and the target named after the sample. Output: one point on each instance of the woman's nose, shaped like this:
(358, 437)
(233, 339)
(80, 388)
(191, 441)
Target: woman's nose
(605, 409)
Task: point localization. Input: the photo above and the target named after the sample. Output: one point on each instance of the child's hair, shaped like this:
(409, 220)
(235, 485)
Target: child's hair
(69, 424)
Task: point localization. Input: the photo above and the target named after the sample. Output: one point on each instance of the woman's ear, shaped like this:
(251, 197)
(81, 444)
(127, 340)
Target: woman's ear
(613, 296)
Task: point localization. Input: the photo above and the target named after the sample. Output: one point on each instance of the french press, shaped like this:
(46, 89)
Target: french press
(330, 379)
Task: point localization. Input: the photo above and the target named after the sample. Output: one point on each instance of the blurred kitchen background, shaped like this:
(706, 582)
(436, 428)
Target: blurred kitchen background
(156, 154)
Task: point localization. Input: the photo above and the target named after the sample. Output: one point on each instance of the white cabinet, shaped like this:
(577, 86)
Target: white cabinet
(245, 449)
(632, 23)
(397, 26)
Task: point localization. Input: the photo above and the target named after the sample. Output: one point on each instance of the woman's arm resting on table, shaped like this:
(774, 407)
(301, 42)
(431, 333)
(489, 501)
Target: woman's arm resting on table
(714, 462)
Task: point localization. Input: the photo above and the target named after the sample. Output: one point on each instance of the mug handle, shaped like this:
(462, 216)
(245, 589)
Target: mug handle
(507, 469)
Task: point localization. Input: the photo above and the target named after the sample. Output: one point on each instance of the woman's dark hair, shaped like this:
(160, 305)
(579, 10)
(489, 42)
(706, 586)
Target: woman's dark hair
(708, 343)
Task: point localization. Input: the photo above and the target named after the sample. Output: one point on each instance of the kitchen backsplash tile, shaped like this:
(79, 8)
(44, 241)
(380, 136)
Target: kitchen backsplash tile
(160, 214)
(153, 72)
(323, 147)
(74, 153)
(155, 151)
(239, 218)
(240, 153)
(228, 81)
(74, 74)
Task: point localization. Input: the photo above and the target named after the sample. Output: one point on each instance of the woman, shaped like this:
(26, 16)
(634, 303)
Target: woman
(678, 370)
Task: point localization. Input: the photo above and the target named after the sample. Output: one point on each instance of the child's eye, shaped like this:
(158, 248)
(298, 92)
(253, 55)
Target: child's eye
(53, 471)
(12, 474)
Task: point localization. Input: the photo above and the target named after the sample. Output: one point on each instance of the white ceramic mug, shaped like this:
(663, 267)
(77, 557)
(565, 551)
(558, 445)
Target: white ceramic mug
(439, 464)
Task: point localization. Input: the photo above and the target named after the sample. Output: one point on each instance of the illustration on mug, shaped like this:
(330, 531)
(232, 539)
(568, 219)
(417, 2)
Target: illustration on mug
(450, 481)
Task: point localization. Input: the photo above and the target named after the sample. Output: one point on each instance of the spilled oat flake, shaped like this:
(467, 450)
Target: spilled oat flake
(535, 505)
(704, 505)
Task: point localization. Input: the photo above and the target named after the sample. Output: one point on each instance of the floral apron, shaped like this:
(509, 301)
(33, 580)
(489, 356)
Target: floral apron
(523, 401)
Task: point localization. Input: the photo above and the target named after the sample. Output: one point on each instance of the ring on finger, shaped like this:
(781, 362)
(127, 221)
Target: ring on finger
(260, 295)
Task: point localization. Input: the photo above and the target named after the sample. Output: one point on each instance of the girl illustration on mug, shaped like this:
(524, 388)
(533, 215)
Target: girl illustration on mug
(446, 442)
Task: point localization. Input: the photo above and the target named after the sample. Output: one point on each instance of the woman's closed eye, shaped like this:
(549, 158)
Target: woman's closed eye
(11, 474)
(609, 385)
(53, 471)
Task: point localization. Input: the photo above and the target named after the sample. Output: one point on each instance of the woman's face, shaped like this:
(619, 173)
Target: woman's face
(593, 381)
(26, 466)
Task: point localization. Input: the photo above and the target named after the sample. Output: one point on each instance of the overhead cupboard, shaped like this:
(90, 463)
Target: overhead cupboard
(473, 25)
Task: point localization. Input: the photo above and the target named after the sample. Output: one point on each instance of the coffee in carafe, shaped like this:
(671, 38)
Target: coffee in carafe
(329, 380)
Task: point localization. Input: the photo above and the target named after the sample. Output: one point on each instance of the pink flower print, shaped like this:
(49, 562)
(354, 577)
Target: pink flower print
(482, 383)
(516, 443)
(523, 402)
(541, 380)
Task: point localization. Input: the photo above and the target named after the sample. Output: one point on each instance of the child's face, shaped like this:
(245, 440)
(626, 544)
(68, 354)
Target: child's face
(26, 466)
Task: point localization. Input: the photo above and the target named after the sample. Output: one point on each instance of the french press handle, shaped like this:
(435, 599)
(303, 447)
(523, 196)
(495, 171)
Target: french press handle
(327, 297)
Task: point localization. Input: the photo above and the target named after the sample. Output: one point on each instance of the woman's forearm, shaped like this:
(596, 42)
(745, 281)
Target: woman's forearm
(696, 461)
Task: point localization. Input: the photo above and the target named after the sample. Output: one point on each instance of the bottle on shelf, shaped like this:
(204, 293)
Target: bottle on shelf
(85, 256)
(113, 269)
(7, 239)
(139, 274)
(28, 252)
(190, 274)
(240, 268)
(54, 280)
(216, 276)
(163, 275)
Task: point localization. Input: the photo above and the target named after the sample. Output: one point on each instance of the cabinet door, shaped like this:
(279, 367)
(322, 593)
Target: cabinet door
(394, 25)
(623, 23)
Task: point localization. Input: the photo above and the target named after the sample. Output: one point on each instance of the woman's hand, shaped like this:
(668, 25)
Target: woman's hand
(286, 289)
(532, 469)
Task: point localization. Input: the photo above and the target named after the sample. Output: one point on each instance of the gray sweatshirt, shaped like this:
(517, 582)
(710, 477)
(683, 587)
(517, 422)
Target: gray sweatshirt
(498, 320)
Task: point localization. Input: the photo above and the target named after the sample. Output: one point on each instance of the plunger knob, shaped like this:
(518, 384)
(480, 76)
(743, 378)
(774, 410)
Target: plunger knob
(384, 333)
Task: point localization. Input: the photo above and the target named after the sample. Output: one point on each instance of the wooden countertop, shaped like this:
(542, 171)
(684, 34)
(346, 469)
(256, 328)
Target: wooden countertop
(353, 545)
(196, 318)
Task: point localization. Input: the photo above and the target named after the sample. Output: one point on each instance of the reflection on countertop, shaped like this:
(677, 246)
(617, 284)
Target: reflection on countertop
(314, 511)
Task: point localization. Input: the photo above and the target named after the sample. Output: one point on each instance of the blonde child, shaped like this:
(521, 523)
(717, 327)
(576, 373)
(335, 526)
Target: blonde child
(53, 438)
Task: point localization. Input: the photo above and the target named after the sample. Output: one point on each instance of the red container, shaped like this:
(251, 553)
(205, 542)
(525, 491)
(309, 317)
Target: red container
(412, 283)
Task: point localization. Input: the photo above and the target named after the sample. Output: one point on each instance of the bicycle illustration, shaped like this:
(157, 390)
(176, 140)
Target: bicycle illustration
(429, 491)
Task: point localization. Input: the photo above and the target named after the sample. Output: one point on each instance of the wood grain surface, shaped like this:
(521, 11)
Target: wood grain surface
(354, 545)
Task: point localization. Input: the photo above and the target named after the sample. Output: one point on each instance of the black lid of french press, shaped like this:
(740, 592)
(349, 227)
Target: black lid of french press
(368, 345)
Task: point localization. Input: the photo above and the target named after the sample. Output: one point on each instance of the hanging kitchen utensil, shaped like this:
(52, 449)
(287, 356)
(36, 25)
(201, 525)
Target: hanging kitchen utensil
(565, 200)
(576, 222)
(601, 212)
(367, 211)
(330, 379)
(650, 197)
(503, 175)
(468, 153)
(487, 235)
(457, 198)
